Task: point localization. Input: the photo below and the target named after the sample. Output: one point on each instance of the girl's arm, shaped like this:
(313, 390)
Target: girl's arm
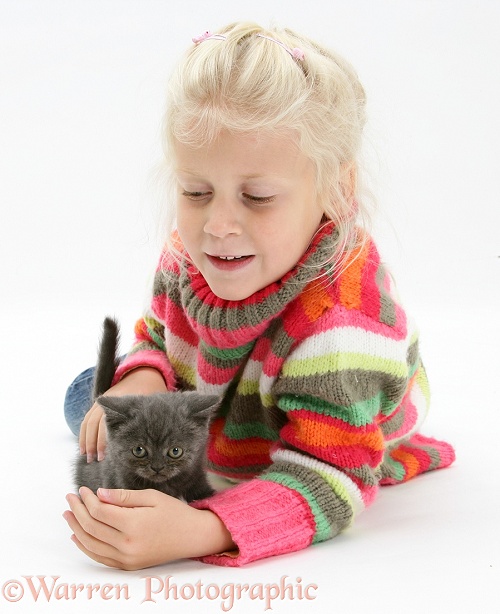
(134, 529)
(328, 466)
(355, 393)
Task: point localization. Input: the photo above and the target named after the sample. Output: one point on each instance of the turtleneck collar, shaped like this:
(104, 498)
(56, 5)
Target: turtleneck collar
(231, 324)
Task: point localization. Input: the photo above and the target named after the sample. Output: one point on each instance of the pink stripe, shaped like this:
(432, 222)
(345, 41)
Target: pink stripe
(175, 320)
(232, 339)
(147, 358)
(215, 375)
(339, 316)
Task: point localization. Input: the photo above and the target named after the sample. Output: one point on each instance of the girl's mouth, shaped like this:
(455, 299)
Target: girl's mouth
(231, 257)
(229, 263)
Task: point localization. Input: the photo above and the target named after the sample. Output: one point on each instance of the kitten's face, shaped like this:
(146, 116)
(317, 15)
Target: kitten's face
(155, 447)
(157, 437)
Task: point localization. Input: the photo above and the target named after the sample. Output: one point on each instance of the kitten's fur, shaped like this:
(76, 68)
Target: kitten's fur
(153, 441)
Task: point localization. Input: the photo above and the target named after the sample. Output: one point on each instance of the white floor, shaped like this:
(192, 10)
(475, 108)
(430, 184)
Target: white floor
(82, 87)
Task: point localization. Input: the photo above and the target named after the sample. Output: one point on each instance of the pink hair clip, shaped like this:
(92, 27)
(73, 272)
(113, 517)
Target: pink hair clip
(296, 52)
(206, 35)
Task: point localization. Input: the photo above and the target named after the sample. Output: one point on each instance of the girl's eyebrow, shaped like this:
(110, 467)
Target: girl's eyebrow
(249, 177)
(188, 171)
(255, 176)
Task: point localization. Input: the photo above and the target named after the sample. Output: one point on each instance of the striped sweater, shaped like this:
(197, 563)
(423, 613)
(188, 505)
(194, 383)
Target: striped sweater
(323, 393)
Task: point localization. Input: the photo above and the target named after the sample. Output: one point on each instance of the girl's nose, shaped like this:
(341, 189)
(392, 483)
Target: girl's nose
(223, 218)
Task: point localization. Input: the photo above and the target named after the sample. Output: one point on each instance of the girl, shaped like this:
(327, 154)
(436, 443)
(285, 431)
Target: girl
(270, 295)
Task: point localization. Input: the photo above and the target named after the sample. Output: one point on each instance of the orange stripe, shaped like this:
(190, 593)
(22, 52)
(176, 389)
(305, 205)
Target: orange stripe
(410, 462)
(140, 327)
(315, 300)
(324, 435)
(350, 281)
(233, 447)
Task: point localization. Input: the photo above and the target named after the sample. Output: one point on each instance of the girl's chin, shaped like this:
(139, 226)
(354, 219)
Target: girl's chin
(230, 294)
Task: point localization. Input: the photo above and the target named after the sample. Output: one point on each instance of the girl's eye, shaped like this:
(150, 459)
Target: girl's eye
(139, 451)
(175, 452)
(259, 200)
(195, 195)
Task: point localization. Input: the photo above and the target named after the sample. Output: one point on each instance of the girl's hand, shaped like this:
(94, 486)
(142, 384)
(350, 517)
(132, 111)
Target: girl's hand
(133, 529)
(92, 438)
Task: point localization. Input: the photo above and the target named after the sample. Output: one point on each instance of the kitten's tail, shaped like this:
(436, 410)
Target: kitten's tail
(107, 359)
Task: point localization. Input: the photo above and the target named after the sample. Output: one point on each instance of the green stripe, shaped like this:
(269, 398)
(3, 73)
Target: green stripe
(357, 414)
(228, 353)
(157, 337)
(184, 371)
(392, 468)
(423, 383)
(250, 429)
(248, 386)
(339, 361)
(336, 485)
(143, 345)
(323, 529)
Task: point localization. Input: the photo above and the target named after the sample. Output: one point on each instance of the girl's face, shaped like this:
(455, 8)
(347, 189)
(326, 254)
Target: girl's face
(246, 210)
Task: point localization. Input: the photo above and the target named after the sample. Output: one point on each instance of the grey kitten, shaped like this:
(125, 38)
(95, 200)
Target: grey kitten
(153, 441)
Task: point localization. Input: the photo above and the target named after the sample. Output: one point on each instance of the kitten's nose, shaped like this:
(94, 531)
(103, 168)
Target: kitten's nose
(157, 469)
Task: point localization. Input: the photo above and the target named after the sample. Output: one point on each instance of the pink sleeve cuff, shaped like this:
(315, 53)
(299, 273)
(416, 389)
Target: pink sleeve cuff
(264, 519)
(147, 358)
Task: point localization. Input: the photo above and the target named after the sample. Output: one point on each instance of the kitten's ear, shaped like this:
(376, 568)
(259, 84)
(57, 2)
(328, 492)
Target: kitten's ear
(116, 410)
(202, 406)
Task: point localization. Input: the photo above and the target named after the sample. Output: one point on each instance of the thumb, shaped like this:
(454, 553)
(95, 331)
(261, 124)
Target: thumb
(128, 498)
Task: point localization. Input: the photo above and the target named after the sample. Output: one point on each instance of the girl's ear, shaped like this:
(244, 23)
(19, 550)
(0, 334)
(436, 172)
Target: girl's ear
(349, 181)
(116, 410)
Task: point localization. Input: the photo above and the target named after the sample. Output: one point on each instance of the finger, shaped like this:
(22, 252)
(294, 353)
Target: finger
(93, 547)
(82, 521)
(105, 560)
(79, 517)
(106, 512)
(83, 434)
(130, 498)
(91, 432)
(101, 439)
(103, 543)
(98, 540)
(97, 546)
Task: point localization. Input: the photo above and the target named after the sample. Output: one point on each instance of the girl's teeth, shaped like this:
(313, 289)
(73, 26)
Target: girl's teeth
(231, 257)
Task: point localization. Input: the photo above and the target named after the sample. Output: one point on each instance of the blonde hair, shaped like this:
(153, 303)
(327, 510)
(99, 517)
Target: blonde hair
(246, 83)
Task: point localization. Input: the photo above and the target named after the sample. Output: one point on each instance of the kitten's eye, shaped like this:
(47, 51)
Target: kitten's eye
(175, 452)
(139, 451)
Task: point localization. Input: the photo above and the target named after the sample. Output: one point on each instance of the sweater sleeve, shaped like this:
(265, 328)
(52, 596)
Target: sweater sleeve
(324, 468)
(330, 458)
(354, 393)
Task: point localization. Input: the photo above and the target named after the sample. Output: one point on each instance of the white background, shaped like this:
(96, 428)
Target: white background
(81, 96)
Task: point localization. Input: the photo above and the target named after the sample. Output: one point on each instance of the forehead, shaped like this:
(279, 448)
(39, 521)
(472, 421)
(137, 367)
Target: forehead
(247, 156)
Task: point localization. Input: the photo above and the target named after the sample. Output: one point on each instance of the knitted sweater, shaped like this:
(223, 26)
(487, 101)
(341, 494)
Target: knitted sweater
(323, 394)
